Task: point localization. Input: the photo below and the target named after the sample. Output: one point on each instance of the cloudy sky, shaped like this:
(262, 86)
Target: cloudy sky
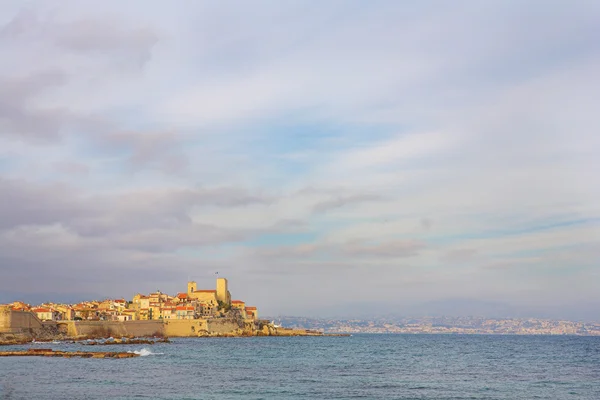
(329, 158)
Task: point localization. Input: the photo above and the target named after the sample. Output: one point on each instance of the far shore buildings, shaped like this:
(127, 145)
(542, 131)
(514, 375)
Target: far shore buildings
(193, 304)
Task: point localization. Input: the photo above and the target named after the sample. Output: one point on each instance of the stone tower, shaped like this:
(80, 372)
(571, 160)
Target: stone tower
(191, 287)
(222, 291)
(5, 319)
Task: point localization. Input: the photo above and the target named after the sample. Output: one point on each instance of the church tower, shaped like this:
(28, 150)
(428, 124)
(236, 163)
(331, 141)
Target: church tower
(191, 287)
(222, 291)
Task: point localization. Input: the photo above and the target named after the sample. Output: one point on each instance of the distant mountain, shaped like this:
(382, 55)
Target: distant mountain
(456, 307)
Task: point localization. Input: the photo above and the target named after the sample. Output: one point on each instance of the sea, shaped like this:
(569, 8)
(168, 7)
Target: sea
(361, 366)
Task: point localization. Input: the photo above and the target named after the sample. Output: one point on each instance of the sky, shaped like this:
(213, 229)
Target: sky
(335, 158)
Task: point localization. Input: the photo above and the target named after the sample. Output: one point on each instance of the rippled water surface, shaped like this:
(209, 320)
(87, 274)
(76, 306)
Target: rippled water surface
(361, 366)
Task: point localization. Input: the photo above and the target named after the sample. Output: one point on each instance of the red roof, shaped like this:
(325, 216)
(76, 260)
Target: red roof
(250, 308)
(237, 302)
(185, 308)
(182, 295)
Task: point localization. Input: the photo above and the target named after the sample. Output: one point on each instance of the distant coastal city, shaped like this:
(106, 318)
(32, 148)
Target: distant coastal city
(446, 325)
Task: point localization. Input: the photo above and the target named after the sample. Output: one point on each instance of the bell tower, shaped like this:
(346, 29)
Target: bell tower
(191, 287)
(222, 291)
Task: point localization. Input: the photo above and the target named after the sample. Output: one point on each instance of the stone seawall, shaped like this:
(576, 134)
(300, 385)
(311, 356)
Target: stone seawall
(111, 328)
(169, 328)
(22, 325)
(18, 321)
(185, 327)
(27, 325)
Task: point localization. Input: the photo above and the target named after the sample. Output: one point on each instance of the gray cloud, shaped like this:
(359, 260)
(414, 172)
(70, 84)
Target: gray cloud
(57, 233)
(20, 118)
(72, 168)
(160, 150)
(341, 201)
(106, 35)
(426, 224)
(23, 23)
(28, 204)
(66, 261)
(46, 47)
(347, 251)
(33, 204)
(289, 252)
(391, 249)
(459, 255)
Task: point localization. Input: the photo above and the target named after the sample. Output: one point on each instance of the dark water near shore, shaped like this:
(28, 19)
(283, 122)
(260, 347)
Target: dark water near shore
(361, 366)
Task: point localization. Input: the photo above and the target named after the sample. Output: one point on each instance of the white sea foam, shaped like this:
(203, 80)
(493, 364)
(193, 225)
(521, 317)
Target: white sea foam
(145, 352)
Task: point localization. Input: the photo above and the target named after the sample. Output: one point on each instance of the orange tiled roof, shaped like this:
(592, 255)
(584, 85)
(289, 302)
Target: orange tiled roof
(182, 295)
(251, 308)
(237, 302)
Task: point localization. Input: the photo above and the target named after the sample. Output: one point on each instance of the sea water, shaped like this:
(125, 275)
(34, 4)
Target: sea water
(356, 367)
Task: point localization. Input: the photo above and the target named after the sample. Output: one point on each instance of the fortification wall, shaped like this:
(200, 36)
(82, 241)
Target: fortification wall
(170, 328)
(114, 328)
(5, 319)
(19, 321)
(185, 327)
(27, 323)
(224, 326)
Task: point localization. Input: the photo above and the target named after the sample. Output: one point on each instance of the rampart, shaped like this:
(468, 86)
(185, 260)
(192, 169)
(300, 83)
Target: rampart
(28, 324)
(169, 328)
(185, 327)
(111, 328)
(18, 321)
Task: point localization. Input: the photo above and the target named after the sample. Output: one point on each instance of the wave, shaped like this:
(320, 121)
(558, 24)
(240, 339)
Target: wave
(145, 352)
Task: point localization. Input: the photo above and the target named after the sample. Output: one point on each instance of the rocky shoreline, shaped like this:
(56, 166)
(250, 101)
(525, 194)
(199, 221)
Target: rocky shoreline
(104, 340)
(66, 354)
(12, 340)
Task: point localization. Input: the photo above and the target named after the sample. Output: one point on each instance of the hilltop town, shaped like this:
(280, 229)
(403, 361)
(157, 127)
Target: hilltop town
(193, 313)
(193, 304)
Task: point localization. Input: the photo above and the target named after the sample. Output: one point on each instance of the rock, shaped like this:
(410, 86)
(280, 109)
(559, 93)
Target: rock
(65, 354)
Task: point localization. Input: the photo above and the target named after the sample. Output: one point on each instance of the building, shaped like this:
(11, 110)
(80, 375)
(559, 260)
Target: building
(184, 312)
(45, 314)
(210, 296)
(252, 313)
